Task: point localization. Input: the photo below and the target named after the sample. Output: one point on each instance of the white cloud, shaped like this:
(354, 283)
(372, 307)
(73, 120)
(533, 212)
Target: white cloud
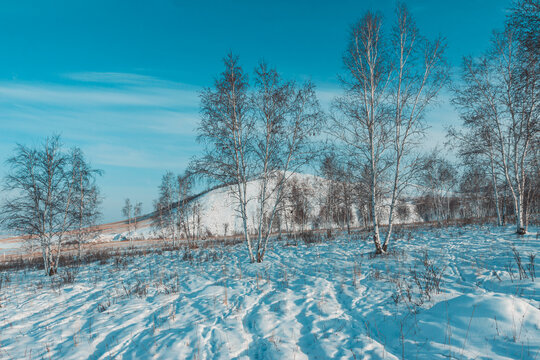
(102, 89)
(127, 124)
(94, 96)
(115, 78)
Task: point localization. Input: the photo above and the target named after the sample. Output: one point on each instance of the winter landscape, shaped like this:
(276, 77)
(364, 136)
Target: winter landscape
(373, 194)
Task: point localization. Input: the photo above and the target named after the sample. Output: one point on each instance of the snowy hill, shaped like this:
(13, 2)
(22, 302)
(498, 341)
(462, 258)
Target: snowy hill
(218, 212)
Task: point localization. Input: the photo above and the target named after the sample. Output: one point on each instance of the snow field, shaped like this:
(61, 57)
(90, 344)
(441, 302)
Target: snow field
(318, 301)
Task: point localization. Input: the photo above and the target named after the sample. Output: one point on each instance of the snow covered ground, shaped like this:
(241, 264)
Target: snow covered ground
(318, 301)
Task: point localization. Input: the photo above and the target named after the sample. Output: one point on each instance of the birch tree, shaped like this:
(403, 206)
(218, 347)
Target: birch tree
(340, 196)
(420, 72)
(287, 117)
(172, 207)
(184, 203)
(524, 19)
(45, 201)
(226, 130)
(361, 116)
(438, 178)
(127, 212)
(476, 144)
(389, 83)
(137, 212)
(476, 193)
(260, 133)
(166, 220)
(500, 96)
(86, 199)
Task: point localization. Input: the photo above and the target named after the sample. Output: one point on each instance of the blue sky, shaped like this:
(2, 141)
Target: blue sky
(121, 79)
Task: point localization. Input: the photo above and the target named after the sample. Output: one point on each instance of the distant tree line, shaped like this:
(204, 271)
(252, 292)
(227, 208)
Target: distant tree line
(175, 212)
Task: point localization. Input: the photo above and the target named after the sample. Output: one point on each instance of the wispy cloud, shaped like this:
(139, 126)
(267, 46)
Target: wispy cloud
(120, 118)
(148, 93)
(115, 78)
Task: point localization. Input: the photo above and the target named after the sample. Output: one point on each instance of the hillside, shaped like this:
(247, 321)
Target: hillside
(218, 213)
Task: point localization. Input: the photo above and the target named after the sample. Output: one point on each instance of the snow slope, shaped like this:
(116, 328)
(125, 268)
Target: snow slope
(319, 301)
(219, 207)
(219, 214)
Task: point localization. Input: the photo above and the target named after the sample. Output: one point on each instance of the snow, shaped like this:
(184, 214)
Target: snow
(306, 301)
(219, 208)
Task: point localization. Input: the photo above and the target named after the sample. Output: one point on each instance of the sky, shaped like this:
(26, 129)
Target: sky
(121, 78)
